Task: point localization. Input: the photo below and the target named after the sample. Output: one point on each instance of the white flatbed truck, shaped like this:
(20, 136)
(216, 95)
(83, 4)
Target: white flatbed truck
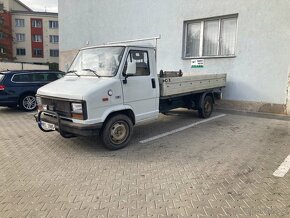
(109, 89)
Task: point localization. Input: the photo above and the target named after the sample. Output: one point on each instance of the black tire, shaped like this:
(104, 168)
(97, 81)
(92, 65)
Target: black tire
(117, 132)
(27, 102)
(206, 108)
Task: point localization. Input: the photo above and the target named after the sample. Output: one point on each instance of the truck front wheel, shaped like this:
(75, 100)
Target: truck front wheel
(206, 108)
(117, 132)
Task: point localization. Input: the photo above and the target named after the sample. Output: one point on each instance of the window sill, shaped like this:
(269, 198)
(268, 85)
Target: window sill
(208, 57)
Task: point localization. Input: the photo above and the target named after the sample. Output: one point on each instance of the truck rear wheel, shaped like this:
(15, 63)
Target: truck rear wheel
(117, 132)
(206, 108)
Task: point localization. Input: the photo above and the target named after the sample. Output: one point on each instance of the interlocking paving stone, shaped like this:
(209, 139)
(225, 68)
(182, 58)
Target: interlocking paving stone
(218, 169)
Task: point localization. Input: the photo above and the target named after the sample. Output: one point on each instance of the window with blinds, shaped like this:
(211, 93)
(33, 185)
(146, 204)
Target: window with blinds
(210, 37)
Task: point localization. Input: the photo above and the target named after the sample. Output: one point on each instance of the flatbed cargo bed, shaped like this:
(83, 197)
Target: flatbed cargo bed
(174, 86)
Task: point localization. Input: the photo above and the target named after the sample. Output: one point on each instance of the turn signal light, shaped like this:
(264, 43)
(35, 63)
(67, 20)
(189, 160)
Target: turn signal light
(2, 88)
(77, 116)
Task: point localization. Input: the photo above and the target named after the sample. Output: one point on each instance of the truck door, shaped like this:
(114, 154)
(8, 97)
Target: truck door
(140, 89)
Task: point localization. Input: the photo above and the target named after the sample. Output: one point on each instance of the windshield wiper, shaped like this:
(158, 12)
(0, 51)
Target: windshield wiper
(73, 71)
(93, 71)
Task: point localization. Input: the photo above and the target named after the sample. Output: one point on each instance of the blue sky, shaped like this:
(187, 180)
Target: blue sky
(40, 5)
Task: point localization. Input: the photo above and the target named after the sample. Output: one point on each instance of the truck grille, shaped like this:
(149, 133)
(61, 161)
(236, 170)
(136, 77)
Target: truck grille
(63, 108)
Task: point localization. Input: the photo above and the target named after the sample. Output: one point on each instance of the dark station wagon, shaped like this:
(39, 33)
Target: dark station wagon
(18, 88)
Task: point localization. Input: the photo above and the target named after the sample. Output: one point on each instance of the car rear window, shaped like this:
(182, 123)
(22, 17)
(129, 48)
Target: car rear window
(36, 77)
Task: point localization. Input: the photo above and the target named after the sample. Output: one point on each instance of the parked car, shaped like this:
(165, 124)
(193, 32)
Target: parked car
(18, 88)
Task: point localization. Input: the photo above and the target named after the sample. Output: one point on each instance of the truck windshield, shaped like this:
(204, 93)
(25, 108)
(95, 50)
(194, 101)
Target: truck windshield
(100, 62)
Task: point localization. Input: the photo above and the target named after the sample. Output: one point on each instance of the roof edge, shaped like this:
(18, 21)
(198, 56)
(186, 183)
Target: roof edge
(35, 13)
(24, 5)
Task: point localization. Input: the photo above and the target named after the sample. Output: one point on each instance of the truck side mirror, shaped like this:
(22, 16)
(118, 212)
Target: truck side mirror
(129, 70)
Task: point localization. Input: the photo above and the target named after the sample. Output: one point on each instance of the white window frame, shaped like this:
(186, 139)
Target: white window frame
(53, 51)
(202, 21)
(52, 39)
(53, 24)
(37, 49)
(20, 37)
(36, 23)
(19, 22)
(37, 38)
(2, 50)
(23, 49)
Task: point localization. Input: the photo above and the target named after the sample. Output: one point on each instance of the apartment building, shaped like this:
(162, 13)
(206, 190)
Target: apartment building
(28, 36)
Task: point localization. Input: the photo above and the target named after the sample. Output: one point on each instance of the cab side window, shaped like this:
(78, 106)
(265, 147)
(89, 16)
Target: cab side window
(140, 59)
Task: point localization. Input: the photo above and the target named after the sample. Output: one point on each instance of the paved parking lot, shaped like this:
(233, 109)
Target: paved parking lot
(221, 168)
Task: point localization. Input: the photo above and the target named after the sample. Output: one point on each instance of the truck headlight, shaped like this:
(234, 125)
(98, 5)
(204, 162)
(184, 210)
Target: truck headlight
(40, 106)
(77, 111)
(77, 108)
(38, 100)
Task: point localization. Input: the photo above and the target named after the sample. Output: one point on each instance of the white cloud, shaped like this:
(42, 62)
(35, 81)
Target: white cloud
(42, 5)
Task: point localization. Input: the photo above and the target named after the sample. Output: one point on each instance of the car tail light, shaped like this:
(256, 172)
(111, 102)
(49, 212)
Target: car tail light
(2, 87)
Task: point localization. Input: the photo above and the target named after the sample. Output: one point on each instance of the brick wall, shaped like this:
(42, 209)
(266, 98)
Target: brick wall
(6, 41)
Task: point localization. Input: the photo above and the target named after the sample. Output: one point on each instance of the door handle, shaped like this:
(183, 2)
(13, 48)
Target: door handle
(153, 83)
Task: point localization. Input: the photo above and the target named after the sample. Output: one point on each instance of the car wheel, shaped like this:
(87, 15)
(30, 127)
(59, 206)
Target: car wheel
(117, 132)
(28, 102)
(206, 108)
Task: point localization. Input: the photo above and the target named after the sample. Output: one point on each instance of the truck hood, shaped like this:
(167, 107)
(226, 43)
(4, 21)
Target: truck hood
(77, 88)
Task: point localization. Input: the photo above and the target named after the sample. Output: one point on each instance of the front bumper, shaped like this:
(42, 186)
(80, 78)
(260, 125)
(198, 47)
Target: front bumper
(63, 125)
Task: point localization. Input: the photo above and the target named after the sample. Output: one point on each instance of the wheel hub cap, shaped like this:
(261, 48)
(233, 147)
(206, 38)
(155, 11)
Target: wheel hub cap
(118, 132)
(29, 102)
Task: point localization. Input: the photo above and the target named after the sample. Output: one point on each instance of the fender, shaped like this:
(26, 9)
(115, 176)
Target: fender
(115, 109)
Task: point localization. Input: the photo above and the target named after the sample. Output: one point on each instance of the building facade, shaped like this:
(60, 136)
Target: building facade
(6, 38)
(33, 36)
(248, 40)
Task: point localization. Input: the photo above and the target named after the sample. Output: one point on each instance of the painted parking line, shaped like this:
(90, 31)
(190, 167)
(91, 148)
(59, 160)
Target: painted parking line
(283, 168)
(181, 129)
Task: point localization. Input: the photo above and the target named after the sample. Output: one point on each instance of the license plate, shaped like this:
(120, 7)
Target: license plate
(48, 126)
